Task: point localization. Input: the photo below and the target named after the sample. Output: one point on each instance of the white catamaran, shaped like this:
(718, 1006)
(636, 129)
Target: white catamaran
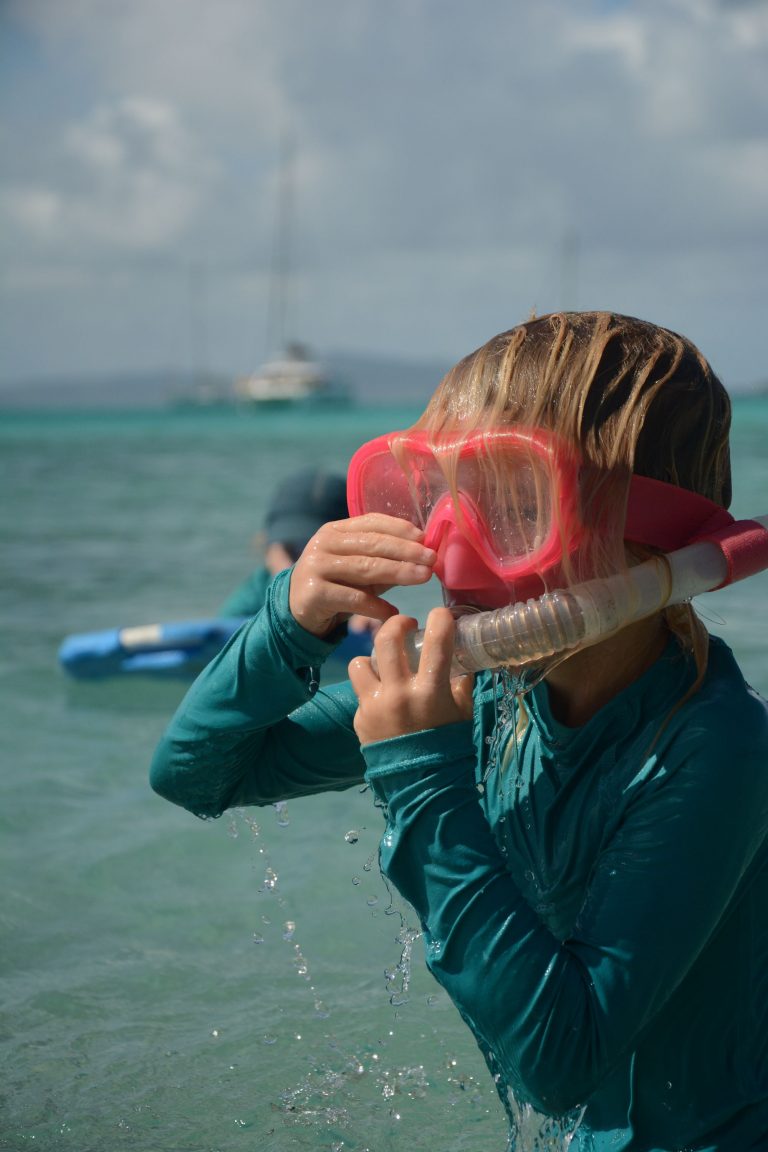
(291, 376)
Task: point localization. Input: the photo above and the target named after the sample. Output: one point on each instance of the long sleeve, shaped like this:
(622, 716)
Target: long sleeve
(558, 1016)
(253, 729)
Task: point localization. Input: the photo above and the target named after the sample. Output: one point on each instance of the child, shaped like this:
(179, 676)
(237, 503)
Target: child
(587, 847)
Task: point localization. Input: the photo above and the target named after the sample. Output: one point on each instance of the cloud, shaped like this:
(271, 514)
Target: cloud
(127, 177)
(437, 147)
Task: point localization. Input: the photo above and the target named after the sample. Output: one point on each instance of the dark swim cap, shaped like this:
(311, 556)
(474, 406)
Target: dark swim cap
(302, 503)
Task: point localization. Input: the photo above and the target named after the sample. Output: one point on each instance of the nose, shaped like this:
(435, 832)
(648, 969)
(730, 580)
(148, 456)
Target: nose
(458, 565)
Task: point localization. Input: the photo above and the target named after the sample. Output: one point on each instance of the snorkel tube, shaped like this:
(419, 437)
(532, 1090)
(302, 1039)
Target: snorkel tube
(528, 633)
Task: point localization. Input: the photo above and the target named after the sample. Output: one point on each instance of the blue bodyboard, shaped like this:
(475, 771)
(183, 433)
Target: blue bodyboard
(175, 650)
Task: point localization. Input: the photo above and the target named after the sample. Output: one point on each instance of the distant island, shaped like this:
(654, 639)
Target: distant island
(372, 380)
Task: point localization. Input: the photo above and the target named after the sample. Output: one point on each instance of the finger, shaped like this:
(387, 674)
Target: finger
(348, 601)
(462, 688)
(372, 571)
(391, 659)
(437, 647)
(362, 676)
(348, 538)
(361, 570)
(387, 525)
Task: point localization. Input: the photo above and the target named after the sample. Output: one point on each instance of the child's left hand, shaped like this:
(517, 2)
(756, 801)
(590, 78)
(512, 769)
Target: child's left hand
(398, 701)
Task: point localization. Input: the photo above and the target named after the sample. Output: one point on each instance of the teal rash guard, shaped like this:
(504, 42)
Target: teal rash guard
(593, 899)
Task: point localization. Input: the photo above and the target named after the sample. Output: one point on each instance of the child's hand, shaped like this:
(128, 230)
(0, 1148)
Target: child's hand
(349, 563)
(397, 701)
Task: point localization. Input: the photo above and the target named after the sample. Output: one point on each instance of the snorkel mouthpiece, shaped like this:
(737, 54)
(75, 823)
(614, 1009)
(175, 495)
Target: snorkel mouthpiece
(529, 633)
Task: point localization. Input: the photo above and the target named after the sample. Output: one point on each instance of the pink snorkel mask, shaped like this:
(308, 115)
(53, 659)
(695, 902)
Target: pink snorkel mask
(502, 508)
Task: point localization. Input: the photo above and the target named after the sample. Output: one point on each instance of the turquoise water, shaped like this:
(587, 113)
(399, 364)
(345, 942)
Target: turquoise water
(243, 984)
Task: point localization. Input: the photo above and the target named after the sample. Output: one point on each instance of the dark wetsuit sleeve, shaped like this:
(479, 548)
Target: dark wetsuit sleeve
(558, 1015)
(253, 729)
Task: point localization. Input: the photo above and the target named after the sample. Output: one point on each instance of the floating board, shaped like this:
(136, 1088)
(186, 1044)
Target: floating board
(179, 649)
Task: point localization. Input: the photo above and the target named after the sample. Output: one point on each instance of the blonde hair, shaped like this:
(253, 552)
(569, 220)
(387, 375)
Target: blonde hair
(631, 396)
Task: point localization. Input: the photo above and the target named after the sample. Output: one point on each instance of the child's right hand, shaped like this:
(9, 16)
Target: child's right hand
(349, 563)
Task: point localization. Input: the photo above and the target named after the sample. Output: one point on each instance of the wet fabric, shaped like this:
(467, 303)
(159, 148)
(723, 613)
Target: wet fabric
(597, 907)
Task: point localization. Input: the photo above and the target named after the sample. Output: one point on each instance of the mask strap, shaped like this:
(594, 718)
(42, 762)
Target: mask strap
(667, 517)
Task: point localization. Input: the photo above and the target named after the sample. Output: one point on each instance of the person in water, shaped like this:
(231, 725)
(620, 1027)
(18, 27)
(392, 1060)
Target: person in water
(299, 506)
(586, 846)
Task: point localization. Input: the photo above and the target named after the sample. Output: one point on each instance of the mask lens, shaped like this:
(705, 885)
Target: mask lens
(502, 490)
(511, 490)
(407, 485)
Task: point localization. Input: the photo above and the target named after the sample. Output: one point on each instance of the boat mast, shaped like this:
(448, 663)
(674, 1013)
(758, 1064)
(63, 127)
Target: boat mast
(280, 269)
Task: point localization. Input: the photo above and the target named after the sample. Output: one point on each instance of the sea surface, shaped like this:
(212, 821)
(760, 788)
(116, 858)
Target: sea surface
(241, 985)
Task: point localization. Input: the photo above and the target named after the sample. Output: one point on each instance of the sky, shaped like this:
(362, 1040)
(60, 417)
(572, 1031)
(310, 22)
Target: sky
(451, 166)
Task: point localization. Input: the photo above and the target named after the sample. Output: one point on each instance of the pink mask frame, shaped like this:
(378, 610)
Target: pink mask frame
(659, 515)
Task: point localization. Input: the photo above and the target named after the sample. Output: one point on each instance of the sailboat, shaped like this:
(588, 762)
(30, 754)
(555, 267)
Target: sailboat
(290, 376)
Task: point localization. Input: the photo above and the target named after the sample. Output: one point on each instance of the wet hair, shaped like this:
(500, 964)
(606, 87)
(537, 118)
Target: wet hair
(631, 396)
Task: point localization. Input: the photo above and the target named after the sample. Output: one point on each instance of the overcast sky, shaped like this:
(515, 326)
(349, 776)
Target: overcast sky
(456, 164)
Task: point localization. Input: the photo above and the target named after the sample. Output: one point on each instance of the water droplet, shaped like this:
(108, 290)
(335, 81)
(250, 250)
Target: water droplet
(270, 879)
(258, 938)
(215, 1032)
(268, 1038)
(372, 901)
(352, 836)
(288, 930)
(356, 880)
